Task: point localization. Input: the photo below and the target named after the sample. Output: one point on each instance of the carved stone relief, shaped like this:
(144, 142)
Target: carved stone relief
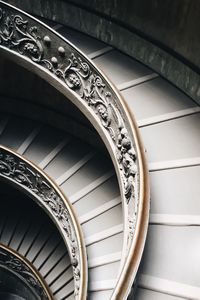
(23, 174)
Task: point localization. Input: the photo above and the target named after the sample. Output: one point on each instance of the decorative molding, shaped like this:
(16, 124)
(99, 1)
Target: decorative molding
(22, 173)
(31, 40)
(16, 264)
(18, 35)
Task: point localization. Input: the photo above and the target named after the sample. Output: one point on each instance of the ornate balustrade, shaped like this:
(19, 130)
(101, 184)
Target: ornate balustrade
(40, 49)
(28, 178)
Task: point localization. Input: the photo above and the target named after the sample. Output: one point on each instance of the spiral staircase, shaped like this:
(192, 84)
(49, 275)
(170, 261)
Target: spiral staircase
(96, 169)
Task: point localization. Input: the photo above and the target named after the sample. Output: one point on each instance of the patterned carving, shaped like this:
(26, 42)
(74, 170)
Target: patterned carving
(16, 34)
(39, 44)
(22, 173)
(13, 263)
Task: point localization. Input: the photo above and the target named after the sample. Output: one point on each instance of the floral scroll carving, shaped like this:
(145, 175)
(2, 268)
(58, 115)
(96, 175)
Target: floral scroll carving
(29, 38)
(22, 173)
(18, 35)
(13, 263)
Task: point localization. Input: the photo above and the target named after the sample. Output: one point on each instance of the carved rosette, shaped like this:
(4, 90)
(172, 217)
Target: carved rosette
(22, 173)
(13, 263)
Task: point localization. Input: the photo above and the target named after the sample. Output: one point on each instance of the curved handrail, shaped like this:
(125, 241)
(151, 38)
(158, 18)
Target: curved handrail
(16, 263)
(30, 179)
(55, 59)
